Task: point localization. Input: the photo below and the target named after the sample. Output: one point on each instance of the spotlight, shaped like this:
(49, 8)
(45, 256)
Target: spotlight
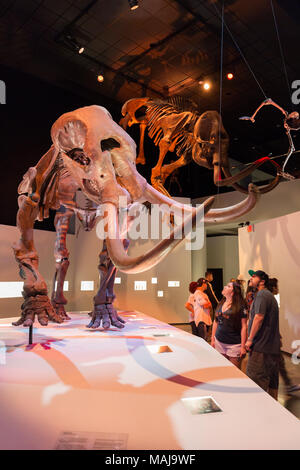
(72, 42)
(230, 76)
(100, 77)
(133, 4)
(206, 86)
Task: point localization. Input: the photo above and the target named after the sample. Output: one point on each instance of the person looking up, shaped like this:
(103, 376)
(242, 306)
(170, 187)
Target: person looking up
(230, 325)
(202, 309)
(190, 307)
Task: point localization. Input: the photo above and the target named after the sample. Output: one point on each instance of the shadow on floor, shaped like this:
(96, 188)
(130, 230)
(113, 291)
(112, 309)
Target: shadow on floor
(290, 402)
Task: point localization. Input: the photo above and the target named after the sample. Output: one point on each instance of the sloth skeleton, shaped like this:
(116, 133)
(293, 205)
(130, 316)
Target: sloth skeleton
(291, 122)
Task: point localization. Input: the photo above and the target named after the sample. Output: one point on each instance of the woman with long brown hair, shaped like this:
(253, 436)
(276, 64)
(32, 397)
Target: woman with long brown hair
(229, 332)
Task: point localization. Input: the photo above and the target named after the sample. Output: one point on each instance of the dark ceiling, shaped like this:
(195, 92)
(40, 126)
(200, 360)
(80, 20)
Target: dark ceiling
(164, 48)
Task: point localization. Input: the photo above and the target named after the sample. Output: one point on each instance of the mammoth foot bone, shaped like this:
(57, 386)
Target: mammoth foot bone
(158, 183)
(41, 306)
(106, 315)
(60, 311)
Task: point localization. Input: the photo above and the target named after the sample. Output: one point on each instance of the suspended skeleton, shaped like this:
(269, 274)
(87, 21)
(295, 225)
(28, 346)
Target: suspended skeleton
(291, 122)
(91, 153)
(176, 125)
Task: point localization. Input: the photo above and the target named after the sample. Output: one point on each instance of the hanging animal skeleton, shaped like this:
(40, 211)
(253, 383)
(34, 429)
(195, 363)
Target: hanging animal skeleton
(291, 122)
(176, 125)
(91, 153)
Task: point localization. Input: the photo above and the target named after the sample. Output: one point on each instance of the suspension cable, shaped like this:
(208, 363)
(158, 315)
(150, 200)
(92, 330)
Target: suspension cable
(281, 49)
(221, 90)
(240, 51)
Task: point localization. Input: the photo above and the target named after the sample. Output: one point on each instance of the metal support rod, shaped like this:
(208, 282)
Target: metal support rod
(30, 335)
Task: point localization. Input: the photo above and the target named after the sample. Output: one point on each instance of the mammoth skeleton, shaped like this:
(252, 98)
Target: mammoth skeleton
(176, 125)
(92, 153)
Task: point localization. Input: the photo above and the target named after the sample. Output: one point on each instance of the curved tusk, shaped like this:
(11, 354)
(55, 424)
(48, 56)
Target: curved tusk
(231, 179)
(156, 197)
(224, 215)
(261, 190)
(146, 261)
(270, 186)
(213, 216)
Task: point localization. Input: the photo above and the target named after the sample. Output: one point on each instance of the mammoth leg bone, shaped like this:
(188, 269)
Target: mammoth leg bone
(141, 156)
(168, 169)
(31, 207)
(61, 255)
(156, 180)
(104, 312)
(36, 301)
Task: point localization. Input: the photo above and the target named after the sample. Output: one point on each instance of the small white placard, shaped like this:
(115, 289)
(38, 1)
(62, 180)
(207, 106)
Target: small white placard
(160, 293)
(87, 285)
(117, 280)
(10, 289)
(140, 285)
(154, 280)
(74, 440)
(173, 283)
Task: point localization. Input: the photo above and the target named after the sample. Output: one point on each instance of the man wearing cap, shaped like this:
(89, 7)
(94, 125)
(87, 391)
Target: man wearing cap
(263, 341)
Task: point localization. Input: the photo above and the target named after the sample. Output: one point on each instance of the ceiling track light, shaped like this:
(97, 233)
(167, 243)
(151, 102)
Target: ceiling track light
(133, 4)
(100, 77)
(73, 43)
(206, 85)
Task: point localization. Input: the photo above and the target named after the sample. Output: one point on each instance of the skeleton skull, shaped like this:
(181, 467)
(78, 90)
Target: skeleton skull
(99, 155)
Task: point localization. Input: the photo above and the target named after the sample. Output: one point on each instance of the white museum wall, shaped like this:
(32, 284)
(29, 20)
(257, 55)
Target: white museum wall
(9, 272)
(223, 252)
(199, 261)
(274, 247)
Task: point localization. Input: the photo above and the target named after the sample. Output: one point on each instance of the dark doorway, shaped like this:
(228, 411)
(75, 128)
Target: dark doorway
(217, 282)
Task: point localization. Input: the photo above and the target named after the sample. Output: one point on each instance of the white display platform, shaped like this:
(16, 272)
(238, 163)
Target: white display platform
(94, 389)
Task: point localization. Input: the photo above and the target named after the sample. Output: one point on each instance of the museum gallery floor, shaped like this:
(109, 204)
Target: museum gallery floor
(148, 386)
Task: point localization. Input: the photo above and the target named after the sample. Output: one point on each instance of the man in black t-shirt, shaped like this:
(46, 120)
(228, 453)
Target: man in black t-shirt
(263, 341)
